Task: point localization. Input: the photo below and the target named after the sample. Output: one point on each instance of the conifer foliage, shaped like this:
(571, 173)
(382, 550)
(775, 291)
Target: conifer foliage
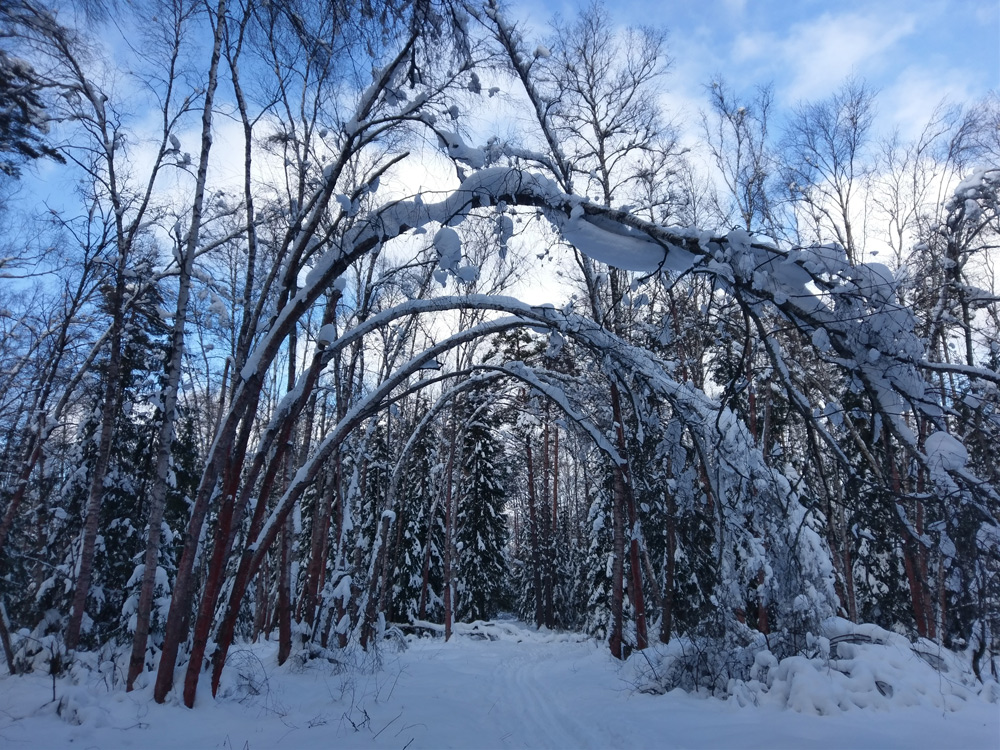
(481, 522)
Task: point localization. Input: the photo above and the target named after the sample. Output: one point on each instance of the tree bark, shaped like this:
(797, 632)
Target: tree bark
(284, 612)
(8, 652)
(449, 530)
(617, 567)
(536, 561)
(626, 498)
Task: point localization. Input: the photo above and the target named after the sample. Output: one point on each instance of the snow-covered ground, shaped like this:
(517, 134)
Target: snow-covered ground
(521, 689)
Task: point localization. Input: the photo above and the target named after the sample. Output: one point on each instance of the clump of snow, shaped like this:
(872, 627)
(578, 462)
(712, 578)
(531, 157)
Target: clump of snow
(349, 207)
(505, 228)
(326, 335)
(458, 149)
(467, 274)
(449, 248)
(821, 340)
(475, 86)
(945, 452)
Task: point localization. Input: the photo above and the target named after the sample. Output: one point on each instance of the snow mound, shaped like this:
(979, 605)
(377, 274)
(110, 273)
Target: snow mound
(848, 667)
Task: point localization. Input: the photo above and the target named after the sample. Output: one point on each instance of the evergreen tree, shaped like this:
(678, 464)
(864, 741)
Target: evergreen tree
(596, 582)
(23, 122)
(130, 471)
(481, 533)
(415, 500)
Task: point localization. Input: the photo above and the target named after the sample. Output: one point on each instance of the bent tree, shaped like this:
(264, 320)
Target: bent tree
(701, 426)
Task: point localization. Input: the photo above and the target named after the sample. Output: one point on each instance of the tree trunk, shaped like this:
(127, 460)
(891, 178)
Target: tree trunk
(368, 627)
(547, 528)
(425, 570)
(318, 546)
(180, 602)
(667, 619)
(8, 652)
(244, 572)
(617, 568)
(536, 562)
(109, 411)
(449, 530)
(158, 492)
(285, 593)
(625, 497)
(287, 531)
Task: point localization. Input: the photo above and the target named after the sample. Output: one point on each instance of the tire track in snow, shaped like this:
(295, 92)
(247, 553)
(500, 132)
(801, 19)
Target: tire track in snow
(535, 711)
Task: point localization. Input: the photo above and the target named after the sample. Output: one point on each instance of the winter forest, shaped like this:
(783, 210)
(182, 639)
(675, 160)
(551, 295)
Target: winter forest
(270, 370)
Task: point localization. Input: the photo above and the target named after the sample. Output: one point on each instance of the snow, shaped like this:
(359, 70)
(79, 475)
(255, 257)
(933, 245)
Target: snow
(467, 274)
(945, 452)
(346, 205)
(821, 340)
(493, 685)
(326, 335)
(616, 246)
(457, 148)
(449, 247)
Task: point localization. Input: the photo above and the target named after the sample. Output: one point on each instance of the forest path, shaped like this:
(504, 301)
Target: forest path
(502, 685)
(532, 688)
(509, 685)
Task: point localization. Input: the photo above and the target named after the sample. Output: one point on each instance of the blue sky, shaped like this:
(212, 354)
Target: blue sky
(914, 53)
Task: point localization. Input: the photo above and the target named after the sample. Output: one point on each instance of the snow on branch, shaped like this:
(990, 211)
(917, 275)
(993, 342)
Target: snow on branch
(852, 310)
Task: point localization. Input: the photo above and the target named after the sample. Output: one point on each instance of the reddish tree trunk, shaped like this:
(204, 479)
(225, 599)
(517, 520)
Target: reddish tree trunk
(227, 629)
(318, 545)
(617, 569)
(667, 620)
(536, 562)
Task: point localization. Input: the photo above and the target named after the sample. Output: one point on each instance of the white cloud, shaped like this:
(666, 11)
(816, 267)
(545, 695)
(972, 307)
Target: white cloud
(909, 102)
(817, 55)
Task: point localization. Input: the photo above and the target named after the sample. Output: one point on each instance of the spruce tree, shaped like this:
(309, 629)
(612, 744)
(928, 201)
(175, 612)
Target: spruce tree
(481, 533)
(415, 498)
(596, 584)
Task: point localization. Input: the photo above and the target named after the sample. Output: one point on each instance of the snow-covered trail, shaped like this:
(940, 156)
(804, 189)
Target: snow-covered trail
(524, 689)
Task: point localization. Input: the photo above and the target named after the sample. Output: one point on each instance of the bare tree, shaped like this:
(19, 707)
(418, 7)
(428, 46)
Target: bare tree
(737, 135)
(826, 164)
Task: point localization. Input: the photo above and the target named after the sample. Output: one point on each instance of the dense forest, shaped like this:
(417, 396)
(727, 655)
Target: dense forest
(257, 379)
